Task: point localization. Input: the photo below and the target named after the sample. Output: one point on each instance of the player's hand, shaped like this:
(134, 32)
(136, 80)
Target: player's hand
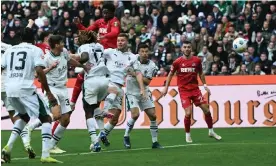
(208, 90)
(52, 100)
(164, 92)
(86, 67)
(76, 20)
(144, 95)
(54, 65)
(73, 105)
(31, 21)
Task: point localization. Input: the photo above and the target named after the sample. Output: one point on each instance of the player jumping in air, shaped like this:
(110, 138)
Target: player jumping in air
(56, 63)
(134, 100)
(187, 67)
(21, 61)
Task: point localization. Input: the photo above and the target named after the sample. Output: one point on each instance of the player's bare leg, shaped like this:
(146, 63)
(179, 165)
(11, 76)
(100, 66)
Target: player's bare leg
(91, 126)
(135, 113)
(58, 132)
(153, 128)
(187, 123)
(209, 121)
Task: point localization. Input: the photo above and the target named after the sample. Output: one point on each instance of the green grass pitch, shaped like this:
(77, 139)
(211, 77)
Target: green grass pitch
(239, 147)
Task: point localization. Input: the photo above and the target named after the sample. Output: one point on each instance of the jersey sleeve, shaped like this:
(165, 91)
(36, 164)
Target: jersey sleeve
(199, 66)
(3, 60)
(174, 66)
(66, 54)
(38, 58)
(115, 29)
(92, 27)
(106, 54)
(152, 72)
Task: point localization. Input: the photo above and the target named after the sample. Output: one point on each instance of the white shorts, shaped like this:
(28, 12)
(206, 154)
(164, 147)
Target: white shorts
(7, 104)
(61, 94)
(33, 105)
(134, 101)
(95, 89)
(117, 104)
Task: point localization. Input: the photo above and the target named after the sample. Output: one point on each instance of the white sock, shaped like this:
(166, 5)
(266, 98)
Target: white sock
(108, 128)
(91, 126)
(57, 135)
(153, 131)
(100, 123)
(211, 130)
(188, 134)
(18, 126)
(129, 126)
(36, 123)
(46, 138)
(25, 136)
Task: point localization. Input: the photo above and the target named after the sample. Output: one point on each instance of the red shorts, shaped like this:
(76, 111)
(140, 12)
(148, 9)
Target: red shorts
(195, 96)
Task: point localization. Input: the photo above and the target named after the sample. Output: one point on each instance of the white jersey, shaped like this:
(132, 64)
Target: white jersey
(148, 70)
(96, 60)
(20, 62)
(4, 47)
(58, 75)
(118, 63)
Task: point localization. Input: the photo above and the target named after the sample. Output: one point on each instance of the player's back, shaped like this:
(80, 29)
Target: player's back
(4, 47)
(117, 63)
(187, 71)
(20, 62)
(96, 60)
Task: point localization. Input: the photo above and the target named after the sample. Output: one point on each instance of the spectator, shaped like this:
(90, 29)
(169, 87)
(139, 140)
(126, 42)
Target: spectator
(148, 7)
(167, 62)
(19, 12)
(222, 54)
(218, 34)
(217, 15)
(218, 62)
(210, 25)
(257, 70)
(212, 45)
(40, 20)
(273, 70)
(12, 38)
(243, 70)
(266, 32)
(206, 59)
(174, 36)
(144, 35)
(165, 25)
(55, 20)
(157, 20)
(169, 46)
(126, 21)
(177, 52)
(74, 12)
(131, 36)
(259, 44)
(138, 25)
(119, 9)
(233, 10)
(248, 62)
(45, 9)
(205, 7)
(46, 25)
(97, 15)
(83, 18)
(195, 24)
(162, 72)
(189, 32)
(214, 70)
(233, 66)
(270, 49)
(231, 34)
(226, 45)
(180, 25)
(154, 43)
(134, 9)
(143, 16)
(197, 44)
(224, 71)
(69, 41)
(265, 64)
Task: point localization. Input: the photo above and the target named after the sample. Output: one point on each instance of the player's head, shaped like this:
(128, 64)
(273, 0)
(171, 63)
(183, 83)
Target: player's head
(143, 51)
(28, 35)
(86, 37)
(186, 48)
(108, 11)
(122, 41)
(44, 36)
(56, 43)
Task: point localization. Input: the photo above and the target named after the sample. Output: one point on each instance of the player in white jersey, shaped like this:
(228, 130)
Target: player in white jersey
(25, 134)
(21, 62)
(56, 63)
(133, 99)
(119, 62)
(95, 81)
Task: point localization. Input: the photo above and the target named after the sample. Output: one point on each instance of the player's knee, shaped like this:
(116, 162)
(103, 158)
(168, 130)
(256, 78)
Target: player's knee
(45, 118)
(25, 117)
(135, 115)
(114, 121)
(65, 122)
(152, 117)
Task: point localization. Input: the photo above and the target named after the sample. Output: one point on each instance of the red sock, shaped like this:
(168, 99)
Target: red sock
(77, 88)
(209, 120)
(187, 124)
(54, 127)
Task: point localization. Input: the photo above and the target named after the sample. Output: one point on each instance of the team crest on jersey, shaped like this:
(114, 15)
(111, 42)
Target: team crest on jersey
(183, 64)
(115, 24)
(193, 64)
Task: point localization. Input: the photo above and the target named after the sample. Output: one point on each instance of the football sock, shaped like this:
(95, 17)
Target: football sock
(153, 131)
(16, 131)
(36, 123)
(108, 128)
(187, 124)
(46, 138)
(55, 126)
(57, 135)
(129, 126)
(209, 120)
(25, 136)
(92, 130)
(100, 123)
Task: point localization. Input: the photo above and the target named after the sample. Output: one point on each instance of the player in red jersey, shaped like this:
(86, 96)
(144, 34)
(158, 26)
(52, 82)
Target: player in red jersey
(44, 45)
(187, 67)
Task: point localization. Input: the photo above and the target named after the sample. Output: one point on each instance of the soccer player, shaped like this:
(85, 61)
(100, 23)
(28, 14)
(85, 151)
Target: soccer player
(95, 81)
(20, 62)
(25, 134)
(56, 63)
(45, 44)
(187, 67)
(134, 99)
(119, 61)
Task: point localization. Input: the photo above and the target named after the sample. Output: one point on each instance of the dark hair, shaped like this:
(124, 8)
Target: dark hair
(110, 7)
(54, 39)
(142, 45)
(87, 37)
(28, 35)
(123, 35)
(187, 42)
(44, 34)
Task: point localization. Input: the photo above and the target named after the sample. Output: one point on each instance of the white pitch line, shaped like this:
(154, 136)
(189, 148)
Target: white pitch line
(140, 149)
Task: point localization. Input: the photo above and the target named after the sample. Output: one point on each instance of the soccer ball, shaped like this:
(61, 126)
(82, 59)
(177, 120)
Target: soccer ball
(239, 45)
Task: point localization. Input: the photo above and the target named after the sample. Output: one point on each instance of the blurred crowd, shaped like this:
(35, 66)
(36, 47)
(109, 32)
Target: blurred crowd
(211, 26)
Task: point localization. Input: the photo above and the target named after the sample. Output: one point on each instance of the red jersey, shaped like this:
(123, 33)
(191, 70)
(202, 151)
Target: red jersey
(186, 72)
(45, 47)
(110, 30)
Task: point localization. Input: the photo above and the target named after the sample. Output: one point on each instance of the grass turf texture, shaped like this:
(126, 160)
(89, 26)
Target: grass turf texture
(240, 146)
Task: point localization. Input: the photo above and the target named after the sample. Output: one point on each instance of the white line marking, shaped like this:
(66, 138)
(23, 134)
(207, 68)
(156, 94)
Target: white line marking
(140, 149)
